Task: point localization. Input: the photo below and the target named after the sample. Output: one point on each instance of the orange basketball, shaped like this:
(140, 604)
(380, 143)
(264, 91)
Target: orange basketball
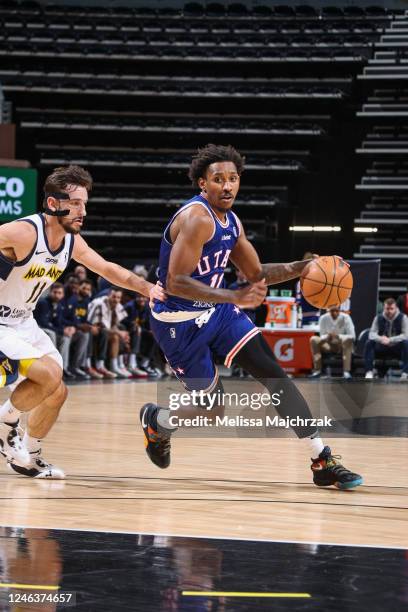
(326, 282)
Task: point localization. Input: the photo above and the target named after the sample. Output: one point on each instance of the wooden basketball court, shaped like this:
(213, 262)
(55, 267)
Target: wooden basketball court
(245, 488)
(235, 524)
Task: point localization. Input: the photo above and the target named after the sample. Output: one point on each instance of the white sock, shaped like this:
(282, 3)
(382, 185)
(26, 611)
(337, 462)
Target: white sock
(315, 445)
(100, 363)
(121, 361)
(132, 361)
(32, 444)
(9, 413)
(163, 419)
(114, 363)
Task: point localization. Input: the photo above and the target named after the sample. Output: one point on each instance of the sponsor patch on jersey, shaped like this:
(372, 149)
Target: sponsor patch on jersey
(38, 271)
(6, 311)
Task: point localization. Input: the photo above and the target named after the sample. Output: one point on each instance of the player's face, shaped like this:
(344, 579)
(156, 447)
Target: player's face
(221, 185)
(78, 199)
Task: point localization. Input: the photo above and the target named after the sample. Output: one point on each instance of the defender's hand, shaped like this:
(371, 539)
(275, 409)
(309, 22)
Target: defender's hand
(156, 293)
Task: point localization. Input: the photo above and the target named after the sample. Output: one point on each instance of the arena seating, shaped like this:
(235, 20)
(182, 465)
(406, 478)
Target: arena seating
(132, 92)
(383, 151)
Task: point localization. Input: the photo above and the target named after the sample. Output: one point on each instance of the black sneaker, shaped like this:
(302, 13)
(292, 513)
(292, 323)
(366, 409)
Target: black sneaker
(157, 443)
(328, 471)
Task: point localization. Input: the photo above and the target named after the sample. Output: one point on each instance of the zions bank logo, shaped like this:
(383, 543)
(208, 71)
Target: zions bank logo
(284, 349)
(4, 311)
(11, 191)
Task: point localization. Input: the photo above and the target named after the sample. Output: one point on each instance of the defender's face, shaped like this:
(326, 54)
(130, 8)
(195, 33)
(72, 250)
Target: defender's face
(78, 199)
(221, 185)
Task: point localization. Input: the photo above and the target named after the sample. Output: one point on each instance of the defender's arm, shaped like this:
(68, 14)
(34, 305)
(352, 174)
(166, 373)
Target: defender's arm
(114, 273)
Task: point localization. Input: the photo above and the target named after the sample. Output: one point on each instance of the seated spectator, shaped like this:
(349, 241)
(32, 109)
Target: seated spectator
(143, 348)
(106, 313)
(140, 270)
(402, 302)
(388, 337)
(336, 336)
(76, 311)
(71, 287)
(80, 272)
(310, 314)
(50, 316)
(103, 287)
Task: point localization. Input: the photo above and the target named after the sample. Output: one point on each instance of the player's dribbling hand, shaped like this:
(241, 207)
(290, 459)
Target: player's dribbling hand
(156, 293)
(251, 296)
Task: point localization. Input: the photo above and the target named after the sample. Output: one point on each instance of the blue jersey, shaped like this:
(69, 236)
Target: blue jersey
(213, 261)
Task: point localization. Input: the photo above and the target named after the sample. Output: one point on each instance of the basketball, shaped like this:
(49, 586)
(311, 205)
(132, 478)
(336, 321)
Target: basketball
(326, 282)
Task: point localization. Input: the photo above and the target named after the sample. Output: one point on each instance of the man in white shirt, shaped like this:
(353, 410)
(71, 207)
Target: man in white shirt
(337, 334)
(106, 313)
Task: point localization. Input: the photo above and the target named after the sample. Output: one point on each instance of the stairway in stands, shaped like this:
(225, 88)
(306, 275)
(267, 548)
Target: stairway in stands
(384, 150)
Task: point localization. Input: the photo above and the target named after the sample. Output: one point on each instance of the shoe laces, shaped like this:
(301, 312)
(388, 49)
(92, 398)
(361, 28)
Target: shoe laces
(163, 443)
(40, 461)
(335, 466)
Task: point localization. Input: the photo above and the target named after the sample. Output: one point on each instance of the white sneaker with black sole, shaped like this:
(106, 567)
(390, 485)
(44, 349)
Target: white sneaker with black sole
(12, 446)
(37, 468)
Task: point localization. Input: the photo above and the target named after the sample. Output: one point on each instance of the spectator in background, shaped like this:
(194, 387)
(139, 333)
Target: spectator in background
(402, 302)
(103, 287)
(143, 347)
(388, 337)
(141, 270)
(310, 314)
(76, 311)
(80, 273)
(107, 313)
(50, 316)
(337, 334)
(71, 287)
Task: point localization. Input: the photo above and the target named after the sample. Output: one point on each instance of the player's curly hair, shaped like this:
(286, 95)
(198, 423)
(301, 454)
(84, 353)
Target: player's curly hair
(63, 176)
(211, 154)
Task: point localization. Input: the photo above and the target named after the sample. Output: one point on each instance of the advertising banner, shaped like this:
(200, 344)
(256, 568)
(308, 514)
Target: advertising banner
(18, 193)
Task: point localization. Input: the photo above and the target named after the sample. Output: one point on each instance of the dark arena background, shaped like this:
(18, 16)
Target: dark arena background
(315, 97)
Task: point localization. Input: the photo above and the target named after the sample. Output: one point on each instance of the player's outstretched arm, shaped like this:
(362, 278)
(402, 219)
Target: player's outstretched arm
(246, 259)
(82, 253)
(195, 229)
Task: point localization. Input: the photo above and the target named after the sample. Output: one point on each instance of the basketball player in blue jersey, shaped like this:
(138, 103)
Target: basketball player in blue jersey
(34, 252)
(200, 318)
